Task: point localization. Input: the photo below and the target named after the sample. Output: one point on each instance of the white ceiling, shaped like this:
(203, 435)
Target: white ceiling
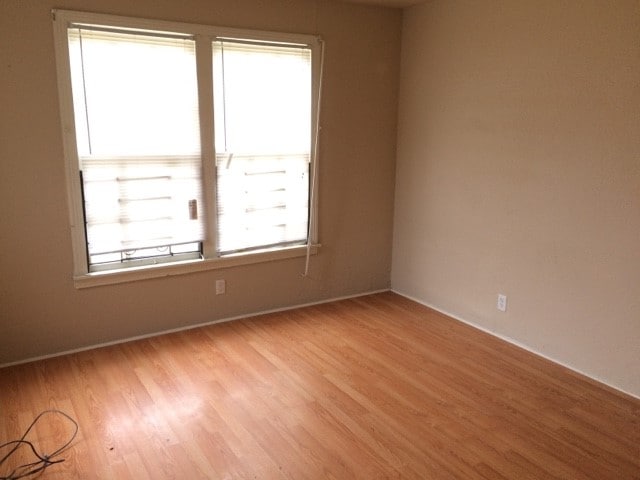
(389, 3)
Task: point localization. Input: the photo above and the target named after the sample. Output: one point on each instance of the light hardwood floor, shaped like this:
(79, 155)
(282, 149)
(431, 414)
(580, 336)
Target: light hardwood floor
(373, 387)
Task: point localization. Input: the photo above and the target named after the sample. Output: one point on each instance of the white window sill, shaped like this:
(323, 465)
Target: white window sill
(133, 274)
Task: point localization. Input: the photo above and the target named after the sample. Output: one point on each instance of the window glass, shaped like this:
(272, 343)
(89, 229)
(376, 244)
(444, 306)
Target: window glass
(137, 132)
(262, 105)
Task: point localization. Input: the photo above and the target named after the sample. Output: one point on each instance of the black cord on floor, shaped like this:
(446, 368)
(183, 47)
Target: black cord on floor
(43, 461)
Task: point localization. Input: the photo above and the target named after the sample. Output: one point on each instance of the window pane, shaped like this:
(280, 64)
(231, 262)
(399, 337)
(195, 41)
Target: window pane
(262, 201)
(140, 202)
(138, 93)
(137, 127)
(262, 105)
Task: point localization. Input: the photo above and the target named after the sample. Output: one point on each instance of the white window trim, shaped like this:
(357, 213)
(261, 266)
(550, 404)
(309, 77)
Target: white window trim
(204, 35)
(133, 274)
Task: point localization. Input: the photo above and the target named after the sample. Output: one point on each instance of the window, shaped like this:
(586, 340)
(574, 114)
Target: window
(186, 144)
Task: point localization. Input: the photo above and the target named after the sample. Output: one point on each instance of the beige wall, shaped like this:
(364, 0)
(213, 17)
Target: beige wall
(40, 310)
(518, 171)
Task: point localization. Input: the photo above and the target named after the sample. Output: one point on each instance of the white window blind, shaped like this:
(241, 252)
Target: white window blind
(137, 131)
(262, 108)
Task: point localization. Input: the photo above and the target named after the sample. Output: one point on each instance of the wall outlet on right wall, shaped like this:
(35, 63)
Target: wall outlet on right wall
(502, 302)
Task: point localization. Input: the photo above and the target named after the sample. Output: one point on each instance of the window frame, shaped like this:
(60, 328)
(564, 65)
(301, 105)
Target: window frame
(204, 35)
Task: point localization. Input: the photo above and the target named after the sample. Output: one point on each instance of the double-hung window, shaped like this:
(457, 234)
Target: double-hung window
(186, 144)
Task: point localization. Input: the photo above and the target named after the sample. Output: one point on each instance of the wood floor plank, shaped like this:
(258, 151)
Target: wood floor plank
(372, 387)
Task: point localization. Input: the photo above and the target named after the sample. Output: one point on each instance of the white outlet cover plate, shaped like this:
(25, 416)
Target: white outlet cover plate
(502, 302)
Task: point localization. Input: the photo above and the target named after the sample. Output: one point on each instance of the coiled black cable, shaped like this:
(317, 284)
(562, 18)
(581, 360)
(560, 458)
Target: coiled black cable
(44, 461)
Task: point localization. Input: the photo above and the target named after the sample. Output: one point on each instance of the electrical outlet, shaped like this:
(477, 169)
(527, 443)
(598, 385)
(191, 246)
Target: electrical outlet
(502, 302)
(221, 287)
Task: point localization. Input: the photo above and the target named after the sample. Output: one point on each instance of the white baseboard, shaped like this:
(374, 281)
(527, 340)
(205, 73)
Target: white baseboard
(328, 300)
(516, 343)
(188, 327)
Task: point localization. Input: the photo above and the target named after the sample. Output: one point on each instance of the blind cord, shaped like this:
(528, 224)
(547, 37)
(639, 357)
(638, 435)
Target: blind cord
(312, 211)
(84, 91)
(224, 102)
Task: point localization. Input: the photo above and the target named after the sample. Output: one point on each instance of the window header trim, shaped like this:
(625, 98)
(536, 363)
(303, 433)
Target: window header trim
(116, 23)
